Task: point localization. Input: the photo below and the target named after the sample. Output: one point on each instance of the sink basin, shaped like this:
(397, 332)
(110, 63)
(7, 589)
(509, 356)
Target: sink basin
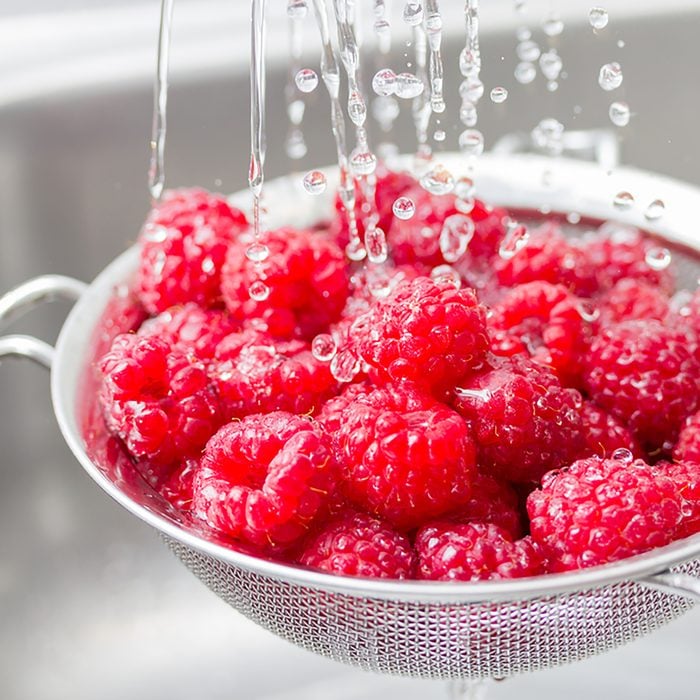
(91, 602)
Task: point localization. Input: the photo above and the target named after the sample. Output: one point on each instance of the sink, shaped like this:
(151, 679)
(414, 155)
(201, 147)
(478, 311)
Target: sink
(91, 602)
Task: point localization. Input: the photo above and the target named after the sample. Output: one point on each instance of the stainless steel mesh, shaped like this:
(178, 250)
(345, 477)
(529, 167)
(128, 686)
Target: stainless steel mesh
(434, 640)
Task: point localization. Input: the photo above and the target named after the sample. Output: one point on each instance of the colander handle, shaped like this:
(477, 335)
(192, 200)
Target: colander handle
(672, 582)
(25, 297)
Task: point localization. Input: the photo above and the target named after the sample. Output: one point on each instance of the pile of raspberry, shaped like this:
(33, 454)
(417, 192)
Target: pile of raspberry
(494, 416)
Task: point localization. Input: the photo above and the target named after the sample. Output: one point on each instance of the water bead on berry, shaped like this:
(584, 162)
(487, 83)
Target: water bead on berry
(306, 80)
(345, 366)
(259, 291)
(658, 258)
(257, 252)
(446, 274)
(323, 347)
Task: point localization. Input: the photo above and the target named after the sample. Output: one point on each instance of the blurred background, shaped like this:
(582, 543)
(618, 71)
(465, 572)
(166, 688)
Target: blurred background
(91, 604)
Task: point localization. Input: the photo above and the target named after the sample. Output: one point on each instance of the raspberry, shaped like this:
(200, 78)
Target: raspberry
(404, 456)
(183, 247)
(645, 374)
(688, 446)
(191, 329)
(549, 322)
(432, 334)
(156, 399)
(305, 272)
(598, 511)
(686, 477)
(549, 257)
(254, 373)
(492, 501)
(123, 314)
(632, 299)
(177, 489)
(359, 545)
(618, 252)
(263, 480)
(605, 434)
(525, 423)
(474, 552)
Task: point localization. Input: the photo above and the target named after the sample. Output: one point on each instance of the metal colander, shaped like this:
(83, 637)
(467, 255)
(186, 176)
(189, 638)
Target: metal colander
(421, 629)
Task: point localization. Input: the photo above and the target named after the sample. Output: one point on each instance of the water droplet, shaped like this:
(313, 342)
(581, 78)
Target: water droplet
(528, 51)
(259, 291)
(295, 145)
(622, 454)
(655, 210)
(408, 86)
(623, 200)
(357, 109)
(525, 72)
(499, 95)
(315, 182)
(471, 90)
(478, 394)
(610, 76)
(598, 17)
(620, 44)
(385, 110)
(362, 162)
(384, 82)
(573, 217)
(375, 242)
(550, 64)
(552, 85)
(323, 347)
(456, 233)
(306, 80)
(468, 114)
(471, 142)
(355, 250)
(680, 301)
(514, 241)
(444, 274)
(439, 135)
(552, 25)
(548, 136)
(438, 181)
(464, 188)
(587, 311)
(257, 252)
(658, 258)
(297, 9)
(382, 27)
(208, 265)
(619, 113)
(413, 13)
(344, 366)
(154, 233)
(469, 63)
(404, 208)
(523, 34)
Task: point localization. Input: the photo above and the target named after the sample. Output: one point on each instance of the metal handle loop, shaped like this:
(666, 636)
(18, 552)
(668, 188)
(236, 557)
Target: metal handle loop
(676, 583)
(25, 297)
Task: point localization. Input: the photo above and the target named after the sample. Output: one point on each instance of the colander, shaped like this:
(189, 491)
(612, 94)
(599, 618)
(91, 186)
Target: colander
(420, 629)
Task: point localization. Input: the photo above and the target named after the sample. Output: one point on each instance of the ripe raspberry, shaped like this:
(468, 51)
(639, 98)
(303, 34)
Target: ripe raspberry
(123, 314)
(183, 246)
(190, 329)
(549, 321)
(632, 299)
(359, 545)
(687, 449)
(491, 501)
(254, 373)
(403, 456)
(605, 434)
(156, 399)
(617, 252)
(549, 257)
(598, 511)
(645, 374)
(474, 552)
(686, 477)
(263, 480)
(177, 489)
(305, 272)
(429, 333)
(525, 423)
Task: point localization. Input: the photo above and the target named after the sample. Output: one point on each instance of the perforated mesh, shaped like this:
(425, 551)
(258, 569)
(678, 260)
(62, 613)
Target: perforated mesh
(484, 640)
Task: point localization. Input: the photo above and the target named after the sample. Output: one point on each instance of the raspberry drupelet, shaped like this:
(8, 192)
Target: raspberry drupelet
(605, 433)
(686, 476)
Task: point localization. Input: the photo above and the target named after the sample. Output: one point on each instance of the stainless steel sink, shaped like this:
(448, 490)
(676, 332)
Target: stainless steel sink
(91, 603)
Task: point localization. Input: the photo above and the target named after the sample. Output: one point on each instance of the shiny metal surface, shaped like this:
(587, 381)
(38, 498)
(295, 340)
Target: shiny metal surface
(91, 603)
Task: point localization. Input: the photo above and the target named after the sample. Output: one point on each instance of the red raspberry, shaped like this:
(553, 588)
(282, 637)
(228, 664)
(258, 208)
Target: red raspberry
(474, 552)
(183, 246)
(264, 480)
(549, 257)
(687, 449)
(618, 252)
(190, 329)
(549, 321)
(686, 477)
(605, 434)
(492, 501)
(177, 489)
(156, 399)
(305, 272)
(404, 456)
(254, 373)
(429, 333)
(123, 314)
(525, 423)
(632, 299)
(359, 545)
(645, 374)
(597, 511)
